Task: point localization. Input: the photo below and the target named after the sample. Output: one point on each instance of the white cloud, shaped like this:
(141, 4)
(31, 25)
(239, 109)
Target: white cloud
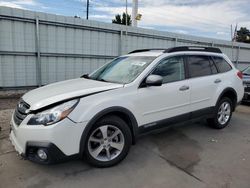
(26, 2)
(21, 4)
(181, 31)
(10, 4)
(244, 24)
(97, 16)
(205, 16)
(222, 33)
(147, 27)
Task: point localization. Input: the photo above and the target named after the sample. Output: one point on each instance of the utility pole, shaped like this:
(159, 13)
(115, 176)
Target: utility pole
(87, 12)
(126, 13)
(126, 31)
(134, 13)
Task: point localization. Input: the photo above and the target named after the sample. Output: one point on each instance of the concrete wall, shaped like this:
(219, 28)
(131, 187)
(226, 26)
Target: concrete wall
(38, 48)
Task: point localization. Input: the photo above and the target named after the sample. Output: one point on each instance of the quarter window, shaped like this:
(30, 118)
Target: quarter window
(222, 64)
(171, 69)
(200, 66)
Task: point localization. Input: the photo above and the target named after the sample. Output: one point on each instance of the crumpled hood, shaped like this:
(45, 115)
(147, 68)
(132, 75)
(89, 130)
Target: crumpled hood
(52, 93)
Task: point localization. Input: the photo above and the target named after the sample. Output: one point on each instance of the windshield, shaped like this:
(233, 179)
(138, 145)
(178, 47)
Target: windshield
(122, 69)
(246, 71)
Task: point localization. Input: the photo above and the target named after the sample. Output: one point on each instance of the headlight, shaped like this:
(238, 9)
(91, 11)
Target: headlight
(53, 115)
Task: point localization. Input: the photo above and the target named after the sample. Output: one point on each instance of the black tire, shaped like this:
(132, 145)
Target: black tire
(127, 138)
(214, 122)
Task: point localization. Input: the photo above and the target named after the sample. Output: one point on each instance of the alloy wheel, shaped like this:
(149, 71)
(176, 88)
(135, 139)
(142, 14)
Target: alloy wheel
(224, 113)
(106, 143)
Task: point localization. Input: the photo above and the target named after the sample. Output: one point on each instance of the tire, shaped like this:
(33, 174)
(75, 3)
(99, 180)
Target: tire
(222, 115)
(108, 142)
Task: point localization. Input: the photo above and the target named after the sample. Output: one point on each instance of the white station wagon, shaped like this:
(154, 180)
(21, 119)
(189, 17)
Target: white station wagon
(100, 115)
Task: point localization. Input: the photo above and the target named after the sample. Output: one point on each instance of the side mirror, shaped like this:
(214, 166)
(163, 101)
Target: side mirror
(154, 80)
(85, 76)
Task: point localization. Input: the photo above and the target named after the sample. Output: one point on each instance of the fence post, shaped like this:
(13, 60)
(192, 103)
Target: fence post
(238, 57)
(38, 55)
(175, 41)
(121, 42)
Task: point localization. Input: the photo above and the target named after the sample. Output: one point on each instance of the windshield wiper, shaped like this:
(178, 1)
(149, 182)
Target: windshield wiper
(102, 80)
(85, 76)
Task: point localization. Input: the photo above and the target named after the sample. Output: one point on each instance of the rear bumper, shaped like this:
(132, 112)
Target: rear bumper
(246, 97)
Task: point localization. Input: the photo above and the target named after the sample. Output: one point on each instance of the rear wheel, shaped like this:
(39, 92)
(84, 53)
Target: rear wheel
(108, 142)
(222, 115)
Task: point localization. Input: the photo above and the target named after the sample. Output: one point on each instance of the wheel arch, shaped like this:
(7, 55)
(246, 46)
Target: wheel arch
(121, 112)
(230, 93)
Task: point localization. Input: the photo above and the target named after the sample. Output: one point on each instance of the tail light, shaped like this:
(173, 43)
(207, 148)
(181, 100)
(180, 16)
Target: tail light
(239, 74)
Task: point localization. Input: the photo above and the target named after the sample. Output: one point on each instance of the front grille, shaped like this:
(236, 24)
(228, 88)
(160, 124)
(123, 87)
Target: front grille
(20, 112)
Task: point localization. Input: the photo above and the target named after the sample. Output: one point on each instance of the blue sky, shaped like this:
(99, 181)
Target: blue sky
(207, 18)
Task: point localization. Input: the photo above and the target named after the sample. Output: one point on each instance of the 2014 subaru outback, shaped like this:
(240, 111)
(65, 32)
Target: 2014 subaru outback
(100, 115)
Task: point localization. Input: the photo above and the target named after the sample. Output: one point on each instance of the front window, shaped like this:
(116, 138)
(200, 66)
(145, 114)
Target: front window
(122, 69)
(171, 69)
(246, 71)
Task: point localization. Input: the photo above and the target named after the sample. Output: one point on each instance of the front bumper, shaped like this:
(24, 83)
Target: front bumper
(60, 140)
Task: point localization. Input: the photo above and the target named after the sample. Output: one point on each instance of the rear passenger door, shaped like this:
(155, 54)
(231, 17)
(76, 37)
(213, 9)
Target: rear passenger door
(204, 81)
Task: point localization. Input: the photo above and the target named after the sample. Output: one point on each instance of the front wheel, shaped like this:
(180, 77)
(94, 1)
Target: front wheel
(108, 142)
(223, 114)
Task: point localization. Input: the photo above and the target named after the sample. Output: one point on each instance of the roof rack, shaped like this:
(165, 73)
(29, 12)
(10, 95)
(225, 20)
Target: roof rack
(181, 49)
(193, 48)
(146, 50)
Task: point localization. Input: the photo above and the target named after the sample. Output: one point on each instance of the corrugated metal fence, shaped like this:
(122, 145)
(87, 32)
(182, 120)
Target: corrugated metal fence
(39, 48)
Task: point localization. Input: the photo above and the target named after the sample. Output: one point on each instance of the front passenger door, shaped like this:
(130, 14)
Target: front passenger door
(168, 100)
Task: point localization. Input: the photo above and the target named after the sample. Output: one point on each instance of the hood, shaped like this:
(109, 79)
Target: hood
(53, 93)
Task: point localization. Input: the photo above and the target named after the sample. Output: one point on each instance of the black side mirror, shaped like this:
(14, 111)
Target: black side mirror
(85, 76)
(154, 80)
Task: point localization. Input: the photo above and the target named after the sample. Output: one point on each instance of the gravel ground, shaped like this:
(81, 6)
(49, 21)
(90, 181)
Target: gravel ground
(9, 94)
(8, 103)
(9, 99)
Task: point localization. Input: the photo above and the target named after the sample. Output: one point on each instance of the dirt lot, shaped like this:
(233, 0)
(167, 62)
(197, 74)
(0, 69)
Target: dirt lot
(190, 155)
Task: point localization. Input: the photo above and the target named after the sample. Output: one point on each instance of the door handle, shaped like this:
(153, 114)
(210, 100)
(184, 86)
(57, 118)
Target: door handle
(183, 88)
(217, 81)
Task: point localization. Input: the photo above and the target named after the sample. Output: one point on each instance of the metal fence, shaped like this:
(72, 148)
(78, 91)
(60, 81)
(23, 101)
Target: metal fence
(38, 48)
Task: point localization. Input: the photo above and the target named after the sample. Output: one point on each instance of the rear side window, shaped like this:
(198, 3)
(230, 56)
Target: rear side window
(200, 66)
(222, 64)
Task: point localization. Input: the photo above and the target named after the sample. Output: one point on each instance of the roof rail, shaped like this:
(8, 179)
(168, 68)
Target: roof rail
(193, 48)
(146, 50)
(181, 49)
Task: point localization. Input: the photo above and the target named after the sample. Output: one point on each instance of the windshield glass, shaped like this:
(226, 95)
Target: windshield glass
(246, 71)
(122, 69)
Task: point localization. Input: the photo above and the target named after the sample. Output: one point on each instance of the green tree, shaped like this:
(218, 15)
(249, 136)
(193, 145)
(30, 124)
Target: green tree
(121, 19)
(243, 35)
